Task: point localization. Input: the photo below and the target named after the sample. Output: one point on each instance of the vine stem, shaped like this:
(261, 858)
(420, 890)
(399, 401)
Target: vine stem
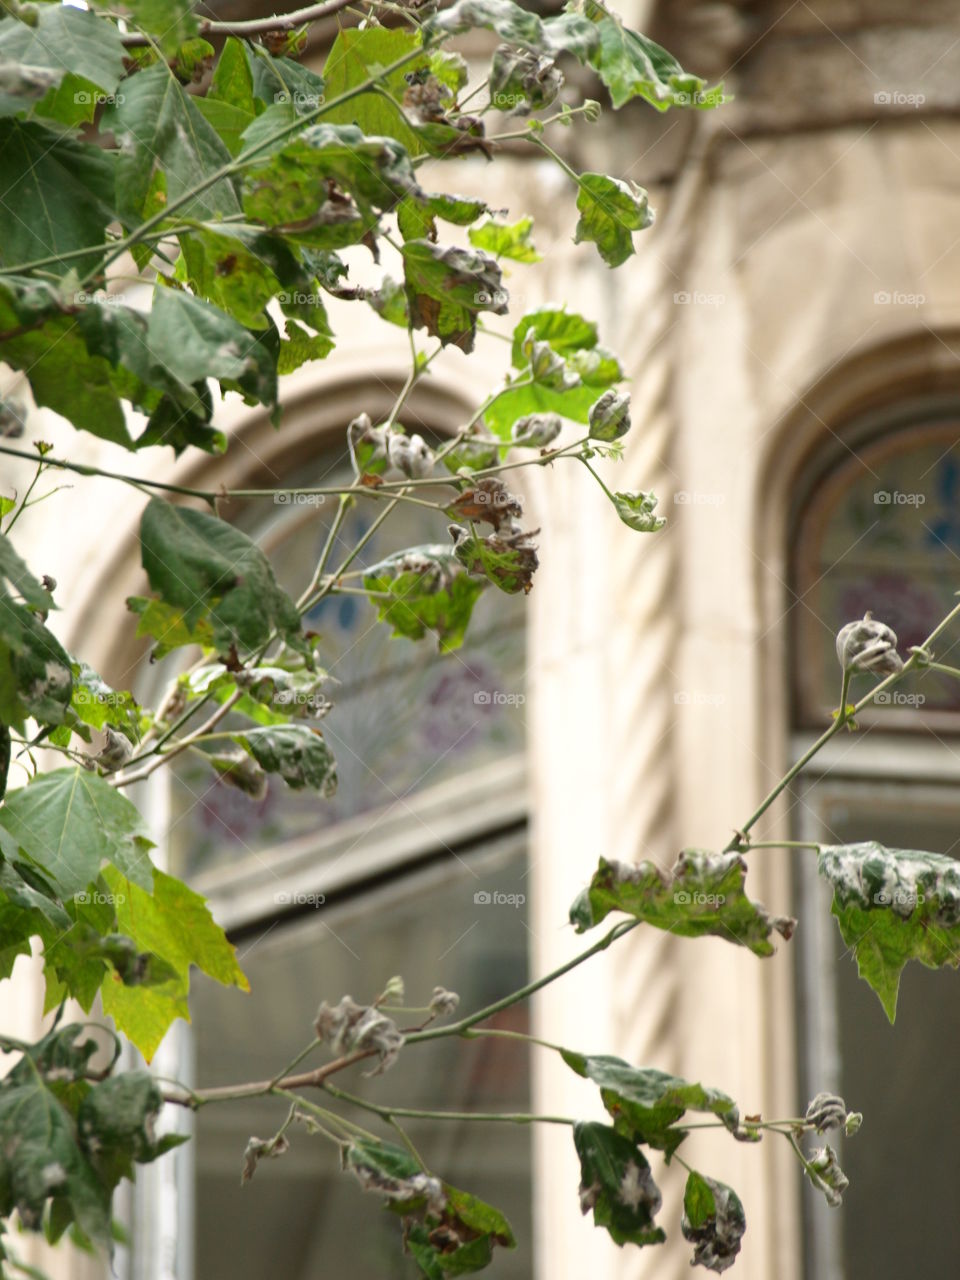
(195, 1098)
(915, 661)
(414, 1113)
(464, 1024)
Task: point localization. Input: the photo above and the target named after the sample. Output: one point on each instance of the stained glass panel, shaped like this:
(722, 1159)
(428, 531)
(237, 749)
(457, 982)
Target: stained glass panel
(404, 716)
(880, 533)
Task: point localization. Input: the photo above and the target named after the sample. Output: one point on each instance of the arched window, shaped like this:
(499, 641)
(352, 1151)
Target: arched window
(418, 862)
(876, 526)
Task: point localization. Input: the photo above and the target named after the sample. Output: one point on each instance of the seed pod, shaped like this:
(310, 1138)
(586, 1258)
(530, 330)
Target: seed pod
(826, 1111)
(868, 645)
(610, 416)
(536, 430)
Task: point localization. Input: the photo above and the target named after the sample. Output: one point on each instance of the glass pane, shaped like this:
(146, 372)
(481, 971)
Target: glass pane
(882, 533)
(404, 716)
(899, 1214)
(300, 1217)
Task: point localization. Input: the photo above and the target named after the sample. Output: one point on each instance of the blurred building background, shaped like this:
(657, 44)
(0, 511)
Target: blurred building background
(791, 326)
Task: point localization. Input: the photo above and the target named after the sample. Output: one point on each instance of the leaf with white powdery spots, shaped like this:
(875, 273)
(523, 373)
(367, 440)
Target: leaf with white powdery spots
(646, 1103)
(713, 1221)
(216, 574)
(616, 1183)
(702, 895)
(892, 906)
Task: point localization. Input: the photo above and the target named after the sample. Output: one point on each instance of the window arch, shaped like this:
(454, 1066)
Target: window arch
(875, 525)
(318, 895)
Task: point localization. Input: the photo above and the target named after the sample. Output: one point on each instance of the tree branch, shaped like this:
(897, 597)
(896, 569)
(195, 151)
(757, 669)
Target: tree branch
(254, 26)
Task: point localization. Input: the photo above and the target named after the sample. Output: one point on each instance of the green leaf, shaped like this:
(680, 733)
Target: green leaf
(216, 574)
(35, 675)
(58, 196)
(426, 589)
(449, 1232)
(97, 705)
(175, 924)
(506, 240)
(354, 57)
(61, 40)
(567, 33)
(70, 822)
(13, 569)
(115, 1123)
(713, 1221)
(172, 22)
(610, 211)
(616, 1183)
(448, 287)
(299, 347)
(230, 123)
(565, 331)
(589, 370)
(168, 626)
(22, 86)
(298, 753)
(636, 508)
(893, 906)
(521, 81)
(83, 357)
(699, 1202)
(450, 69)
(239, 268)
(232, 82)
(631, 65)
(390, 302)
(43, 1158)
(167, 149)
(292, 188)
(509, 560)
(703, 895)
(278, 80)
(67, 1142)
(645, 1103)
(196, 340)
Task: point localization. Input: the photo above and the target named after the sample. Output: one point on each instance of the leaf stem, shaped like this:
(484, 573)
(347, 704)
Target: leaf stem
(914, 661)
(464, 1024)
